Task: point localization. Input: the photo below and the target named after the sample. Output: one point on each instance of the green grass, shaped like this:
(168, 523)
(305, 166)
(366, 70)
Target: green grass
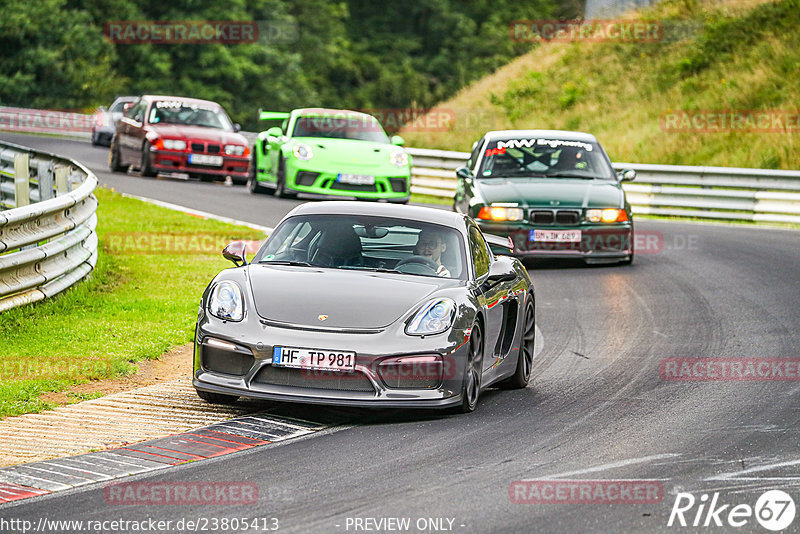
(738, 55)
(139, 302)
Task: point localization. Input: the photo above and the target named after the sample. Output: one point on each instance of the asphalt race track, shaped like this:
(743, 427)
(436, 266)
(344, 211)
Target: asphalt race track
(598, 406)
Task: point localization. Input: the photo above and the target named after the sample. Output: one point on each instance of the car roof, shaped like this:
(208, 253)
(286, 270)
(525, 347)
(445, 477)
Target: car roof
(184, 99)
(377, 209)
(314, 112)
(566, 135)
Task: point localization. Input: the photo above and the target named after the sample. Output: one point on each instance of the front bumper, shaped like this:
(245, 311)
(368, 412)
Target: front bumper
(250, 373)
(598, 243)
(323, 181)
(178, 161)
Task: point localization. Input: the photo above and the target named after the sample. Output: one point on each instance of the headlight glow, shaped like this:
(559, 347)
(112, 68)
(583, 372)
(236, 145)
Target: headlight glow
(174, 144)
(501, 213)
(226, 302)
(302, 151)
(236, 150)
(433, 318)
(608, 215)
(398, 158)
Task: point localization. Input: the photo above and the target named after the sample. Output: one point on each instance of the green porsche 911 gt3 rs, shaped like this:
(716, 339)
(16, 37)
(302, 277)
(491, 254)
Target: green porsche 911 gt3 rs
(554, 193)
(330, 152)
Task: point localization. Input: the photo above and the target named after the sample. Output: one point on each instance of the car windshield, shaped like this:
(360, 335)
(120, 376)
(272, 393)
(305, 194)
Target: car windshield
(359, 242)
(342, 126)
(547, 158)
(119, 106)
(175, 112)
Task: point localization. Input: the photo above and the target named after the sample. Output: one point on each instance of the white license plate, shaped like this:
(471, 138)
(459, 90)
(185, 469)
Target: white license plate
(203, 159)
(355, 179)
(332, 360)
(556, 236)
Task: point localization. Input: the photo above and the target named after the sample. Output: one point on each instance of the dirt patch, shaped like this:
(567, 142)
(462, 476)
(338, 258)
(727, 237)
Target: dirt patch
(174, 364)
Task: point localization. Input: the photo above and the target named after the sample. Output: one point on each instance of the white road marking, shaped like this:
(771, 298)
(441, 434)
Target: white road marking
(735, 475)
(192, 211)
(614, 465)
(538, 342)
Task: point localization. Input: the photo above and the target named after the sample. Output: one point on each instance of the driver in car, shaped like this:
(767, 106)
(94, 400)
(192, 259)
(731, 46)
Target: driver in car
(431, 245)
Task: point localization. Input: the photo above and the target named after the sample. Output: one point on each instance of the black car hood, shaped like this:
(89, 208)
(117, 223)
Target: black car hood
(350, 299)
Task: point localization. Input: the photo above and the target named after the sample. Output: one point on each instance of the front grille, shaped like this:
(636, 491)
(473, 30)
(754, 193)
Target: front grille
(225, 361)
(399, 185)
(198, 147)
(306, 178)
(541, 217)
(213, 149)
(568, 217)
(353, 187)
(308, 378)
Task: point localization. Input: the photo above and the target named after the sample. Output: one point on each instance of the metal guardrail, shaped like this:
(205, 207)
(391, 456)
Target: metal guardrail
(759, 195)
(47, 223)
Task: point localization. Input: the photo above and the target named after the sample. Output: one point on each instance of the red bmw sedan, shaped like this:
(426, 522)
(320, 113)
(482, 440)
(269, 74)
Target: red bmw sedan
(171, 134)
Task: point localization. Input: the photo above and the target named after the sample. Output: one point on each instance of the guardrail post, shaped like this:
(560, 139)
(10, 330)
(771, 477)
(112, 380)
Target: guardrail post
(61, 180)
(45, 172)
(22, 180)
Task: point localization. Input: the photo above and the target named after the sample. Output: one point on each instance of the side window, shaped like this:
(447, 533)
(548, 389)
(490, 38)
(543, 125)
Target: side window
(138, 110)
(473, 158)
(479, 252)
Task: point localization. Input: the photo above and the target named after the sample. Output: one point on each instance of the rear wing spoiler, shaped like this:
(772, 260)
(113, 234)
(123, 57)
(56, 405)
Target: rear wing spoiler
(497, 241)
(272, 115)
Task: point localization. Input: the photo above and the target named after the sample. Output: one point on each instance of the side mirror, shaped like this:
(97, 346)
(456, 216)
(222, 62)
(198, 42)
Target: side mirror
(627, 175)
(236, 252)
(464, 173)
(397, 140)
(275, 132)
(501, 271)
(237, 127)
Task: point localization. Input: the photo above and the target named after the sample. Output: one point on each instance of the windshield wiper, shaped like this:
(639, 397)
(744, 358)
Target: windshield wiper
(569, 175)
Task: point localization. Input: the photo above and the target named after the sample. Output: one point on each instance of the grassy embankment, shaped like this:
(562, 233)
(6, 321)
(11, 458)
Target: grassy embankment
(740, 55)
(140, 301)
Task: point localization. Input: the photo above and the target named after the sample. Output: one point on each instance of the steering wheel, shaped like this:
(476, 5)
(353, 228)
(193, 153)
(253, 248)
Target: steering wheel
(423, 261)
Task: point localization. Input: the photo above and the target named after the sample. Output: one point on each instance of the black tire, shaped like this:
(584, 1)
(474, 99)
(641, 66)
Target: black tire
(522, 376)
(95, 139)
(629, 261)
(216, 398)
(145, 165)
(280, 189)
(252, 183)
(473, 371)
(114, 159)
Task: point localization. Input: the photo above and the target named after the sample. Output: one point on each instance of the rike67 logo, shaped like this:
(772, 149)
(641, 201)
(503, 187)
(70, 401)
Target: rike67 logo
(774, 510)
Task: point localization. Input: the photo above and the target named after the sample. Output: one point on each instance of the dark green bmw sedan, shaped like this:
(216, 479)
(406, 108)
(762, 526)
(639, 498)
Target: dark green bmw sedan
(553, 192)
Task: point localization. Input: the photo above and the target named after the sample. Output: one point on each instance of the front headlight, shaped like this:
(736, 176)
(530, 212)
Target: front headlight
(226, 302)
(398, 158)
(235, 150)
(302, 151)
(174, 144)
(501, 213)
(608, 215)
(433, 318)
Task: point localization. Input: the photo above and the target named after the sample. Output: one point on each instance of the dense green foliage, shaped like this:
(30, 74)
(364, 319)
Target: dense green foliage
(346, 53)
